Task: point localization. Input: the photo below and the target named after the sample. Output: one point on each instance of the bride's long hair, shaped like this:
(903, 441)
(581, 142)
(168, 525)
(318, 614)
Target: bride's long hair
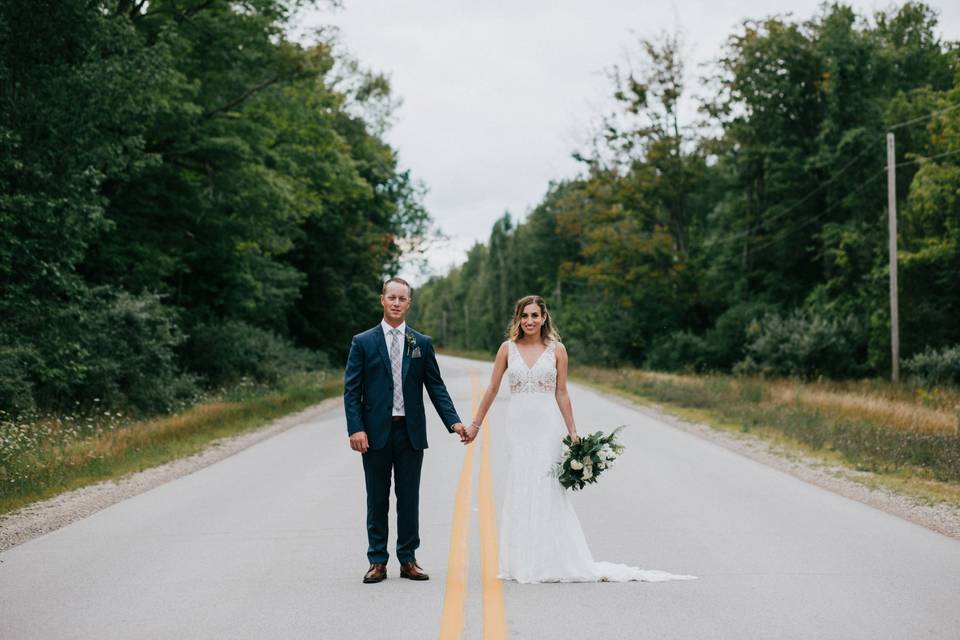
(548, 332)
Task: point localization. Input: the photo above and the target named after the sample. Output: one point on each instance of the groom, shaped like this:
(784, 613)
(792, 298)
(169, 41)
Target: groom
(387, 369)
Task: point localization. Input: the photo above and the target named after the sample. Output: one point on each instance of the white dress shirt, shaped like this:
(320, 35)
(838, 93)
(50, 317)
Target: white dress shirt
(386, 336)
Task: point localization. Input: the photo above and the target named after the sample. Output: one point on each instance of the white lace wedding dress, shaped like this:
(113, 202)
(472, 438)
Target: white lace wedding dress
(540, 535)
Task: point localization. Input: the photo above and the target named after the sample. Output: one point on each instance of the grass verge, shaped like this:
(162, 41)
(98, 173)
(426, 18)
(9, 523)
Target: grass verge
(53, 454)
(908, 439)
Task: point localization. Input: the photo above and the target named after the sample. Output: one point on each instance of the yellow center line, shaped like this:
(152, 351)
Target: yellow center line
(454, 600)
(494, 617)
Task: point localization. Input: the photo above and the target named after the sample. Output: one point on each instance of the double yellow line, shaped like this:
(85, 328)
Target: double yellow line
(454, 602)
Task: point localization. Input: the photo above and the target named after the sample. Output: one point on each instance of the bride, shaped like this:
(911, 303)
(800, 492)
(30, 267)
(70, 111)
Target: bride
(540, 535)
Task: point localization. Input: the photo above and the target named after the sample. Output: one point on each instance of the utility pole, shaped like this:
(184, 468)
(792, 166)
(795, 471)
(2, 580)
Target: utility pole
(892, 221)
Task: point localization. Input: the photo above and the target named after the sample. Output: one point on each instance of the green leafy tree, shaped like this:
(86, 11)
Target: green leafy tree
(679, 243)
(178, 179)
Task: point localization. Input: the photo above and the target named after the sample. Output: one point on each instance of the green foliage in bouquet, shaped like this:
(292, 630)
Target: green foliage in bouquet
(583, 461)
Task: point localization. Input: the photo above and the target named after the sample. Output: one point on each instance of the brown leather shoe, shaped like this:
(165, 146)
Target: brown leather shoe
(376, 573)
(412, 571)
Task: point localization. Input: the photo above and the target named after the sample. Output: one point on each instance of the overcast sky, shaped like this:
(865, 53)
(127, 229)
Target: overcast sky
(497, 94)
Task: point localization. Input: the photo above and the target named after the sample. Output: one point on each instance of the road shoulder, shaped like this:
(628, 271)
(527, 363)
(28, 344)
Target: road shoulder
(45, 516)
(850, 483)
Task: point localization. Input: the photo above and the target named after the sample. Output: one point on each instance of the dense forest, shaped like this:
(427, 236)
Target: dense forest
(188, 199)
(752, 238)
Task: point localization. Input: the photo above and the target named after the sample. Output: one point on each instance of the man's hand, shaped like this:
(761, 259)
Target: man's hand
(358, 441)
(461, 431)
(472, 432)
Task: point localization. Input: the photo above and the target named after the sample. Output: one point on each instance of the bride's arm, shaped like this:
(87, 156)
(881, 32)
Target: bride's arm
(499, 367)
(563, 398)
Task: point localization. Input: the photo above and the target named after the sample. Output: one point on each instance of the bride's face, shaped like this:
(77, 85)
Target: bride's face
(531, 320)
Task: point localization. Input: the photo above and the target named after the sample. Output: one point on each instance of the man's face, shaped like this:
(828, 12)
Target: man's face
(396, 303)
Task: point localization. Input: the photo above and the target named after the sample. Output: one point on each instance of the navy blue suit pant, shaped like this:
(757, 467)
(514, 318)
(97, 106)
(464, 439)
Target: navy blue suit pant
(399, 459)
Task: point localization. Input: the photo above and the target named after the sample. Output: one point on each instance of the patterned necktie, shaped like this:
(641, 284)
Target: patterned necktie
(396, 362)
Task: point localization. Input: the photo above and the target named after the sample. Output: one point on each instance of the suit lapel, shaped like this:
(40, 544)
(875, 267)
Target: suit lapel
(406, 358)
(382, 346)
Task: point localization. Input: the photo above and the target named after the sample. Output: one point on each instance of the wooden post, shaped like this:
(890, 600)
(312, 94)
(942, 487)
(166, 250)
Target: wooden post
(892, 221)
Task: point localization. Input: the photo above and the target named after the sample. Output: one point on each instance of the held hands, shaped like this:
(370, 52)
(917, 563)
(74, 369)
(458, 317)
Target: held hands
(461, 431)
(467, 434)
(472, 432)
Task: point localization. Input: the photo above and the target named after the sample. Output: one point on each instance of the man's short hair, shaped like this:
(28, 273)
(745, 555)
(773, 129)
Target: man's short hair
(383, 290)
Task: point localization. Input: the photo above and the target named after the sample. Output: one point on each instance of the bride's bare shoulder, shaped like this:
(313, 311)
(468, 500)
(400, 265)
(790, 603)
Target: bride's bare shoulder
(503, 354)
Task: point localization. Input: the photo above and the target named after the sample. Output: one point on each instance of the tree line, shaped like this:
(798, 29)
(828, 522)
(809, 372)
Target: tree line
(188, 198)
(752, 237)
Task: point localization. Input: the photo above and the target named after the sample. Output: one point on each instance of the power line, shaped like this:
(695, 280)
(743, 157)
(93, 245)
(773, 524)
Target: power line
(710, 243)
(921, 160)
(922, 118)
(746, 232)
(863, 185)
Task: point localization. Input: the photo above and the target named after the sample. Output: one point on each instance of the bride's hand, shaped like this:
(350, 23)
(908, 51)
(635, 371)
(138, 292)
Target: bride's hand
(574, 438)
(472, 432)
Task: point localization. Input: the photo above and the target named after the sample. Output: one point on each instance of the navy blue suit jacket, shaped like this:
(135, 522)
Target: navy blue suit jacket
(368, 387)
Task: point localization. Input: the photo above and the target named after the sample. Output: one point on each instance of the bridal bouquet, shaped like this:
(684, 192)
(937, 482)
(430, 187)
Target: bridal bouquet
(583, 461)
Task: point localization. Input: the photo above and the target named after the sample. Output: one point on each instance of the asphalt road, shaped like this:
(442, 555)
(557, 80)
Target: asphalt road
(270, 543)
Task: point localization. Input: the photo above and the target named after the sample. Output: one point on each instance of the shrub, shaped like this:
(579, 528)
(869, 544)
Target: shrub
(593, 333)
(677, 351)
(16, 386)
(131, 343)
(227, 352)
(105, 347)
(935, 367)
(727, 340)
(805, 344)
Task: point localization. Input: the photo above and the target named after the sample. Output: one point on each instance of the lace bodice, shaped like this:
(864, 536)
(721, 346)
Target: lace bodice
(540, 378)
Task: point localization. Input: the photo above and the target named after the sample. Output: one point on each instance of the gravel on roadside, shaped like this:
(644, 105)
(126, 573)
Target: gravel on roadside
(42, 517)
(942, 518)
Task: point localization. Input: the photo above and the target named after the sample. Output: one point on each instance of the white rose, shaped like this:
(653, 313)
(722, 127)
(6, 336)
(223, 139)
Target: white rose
(587, 472)
(575, 465)
(602, 465)
(587, 461)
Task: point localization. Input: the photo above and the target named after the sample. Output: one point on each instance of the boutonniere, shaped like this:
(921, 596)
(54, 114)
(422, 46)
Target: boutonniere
(412, 349)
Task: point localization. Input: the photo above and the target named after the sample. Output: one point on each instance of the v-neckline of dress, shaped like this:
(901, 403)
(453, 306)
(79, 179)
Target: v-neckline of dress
(535, 362)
